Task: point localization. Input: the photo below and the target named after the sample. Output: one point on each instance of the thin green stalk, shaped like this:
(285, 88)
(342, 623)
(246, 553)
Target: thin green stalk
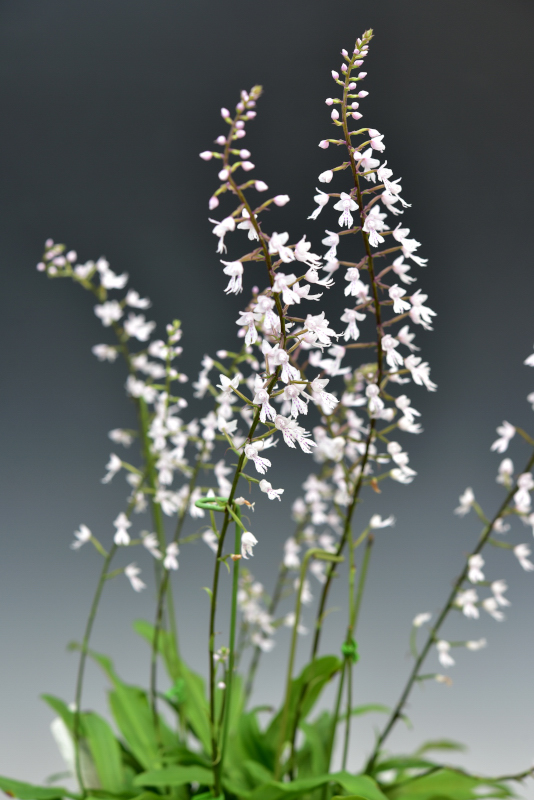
(231, 655)
(351, 632)
(81, 665)
(397, 711)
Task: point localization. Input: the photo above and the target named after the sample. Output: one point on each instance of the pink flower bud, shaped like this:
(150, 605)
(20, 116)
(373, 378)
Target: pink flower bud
(281, 199)
(358, 63)
(60, 261)
(324, 144)
(206, 155)
(362, 75)
(356, 115)
(251, 104)
(213, 203)
(344, 53)
(343, 68)
(223, 175)
(356, 51)
(373, 132)
(255, 289)
(240, 106)
(251, 114)
(247, 166)
(41, 267)
(72, 255)
(355, 105)
(335, 114)
(329, 101)
(220, 140)
(244, 153)
(239, 134)
(326, 177)
(221, 353)
(225, 113)
(49, 243)
(260, 186)
(52, 270)
(352, 86)
(335, 75)
(240, 124)
(363, 93)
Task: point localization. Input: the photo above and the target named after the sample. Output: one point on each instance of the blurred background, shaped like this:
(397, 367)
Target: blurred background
(106, 105)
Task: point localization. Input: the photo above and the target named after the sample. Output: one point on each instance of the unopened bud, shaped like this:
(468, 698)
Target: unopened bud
(247, 166)
(356, 115)
(240, 124)
(260, 186)
(335, 113)
(344, 53)
(355, 105)
(343, 68)
(52, 270)
(206, 155)
(363, 93)
(329, 101)
(335, 75)
(239, 134)
(49, 243)
(358, 63)
(240, 106)
(244, 153)
(222, 353)
(72, 255)
(362, 75)
(281, 199)
(213, 203)
(221, 140)
(324, 144)
(41, 267)
(225, 113)
(373, 132)
(352, 86)
(251, 114)
(223, 175)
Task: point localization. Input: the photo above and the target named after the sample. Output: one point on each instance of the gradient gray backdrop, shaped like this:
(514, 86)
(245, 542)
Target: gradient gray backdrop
(105, 107)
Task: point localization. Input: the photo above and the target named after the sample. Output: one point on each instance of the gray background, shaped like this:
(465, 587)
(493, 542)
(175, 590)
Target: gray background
(106, 105)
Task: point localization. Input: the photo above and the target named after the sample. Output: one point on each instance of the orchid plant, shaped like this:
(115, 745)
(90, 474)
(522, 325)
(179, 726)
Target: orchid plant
(334, 389)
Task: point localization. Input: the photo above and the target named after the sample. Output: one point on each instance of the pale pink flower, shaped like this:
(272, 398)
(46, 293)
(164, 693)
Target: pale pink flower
(248, 541)
(221, 229)
(345, 204)
(251, 452)
(132, 571)
(321, 199)
(506, 432)
(235, 270)
(272, 494)
(277, 244)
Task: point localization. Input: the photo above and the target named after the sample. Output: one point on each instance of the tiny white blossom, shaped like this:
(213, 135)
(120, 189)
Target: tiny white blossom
(113, 466)
(445, 658)
(475, 574)
(234, 269)
(150, 541)
(376, 521)
(491, 606)
(467, 600)
(506, 471)
(420, 619)
(277, 244)
(122, 523)
(108, 312)
(522, 552)
(345, 204)
(476, 644)
(396, 294)
(221, 229)
(498, 588)
(466, 501)
(132, 571)
(272, 494)
(82, 535)
(134, 300)
(251, 452)
(138, 327)
(321, 199)
(171, 556)
(506, 432)
(105, 352)
(248, 541)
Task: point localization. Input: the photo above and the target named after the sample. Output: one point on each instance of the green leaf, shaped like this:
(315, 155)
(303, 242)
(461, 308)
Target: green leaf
(27, 791)
(311, 758)
(405, 762)
(447, 784)
(105, 751)
(440, 744)
(304, 693)
(133, 716)
(284, 791)
(61, 709)
(195, 704)
(359, 785)
(175, 776)
(369, 708)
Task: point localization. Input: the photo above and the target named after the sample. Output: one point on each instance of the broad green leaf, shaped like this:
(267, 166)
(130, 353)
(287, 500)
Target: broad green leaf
(284, 791)
(360, 785)
(404, 762)
(195, 704)
(105, 751)
(133, 716)
(304, 693)
(27, 791)
(311, 758)
(61, 709)
(175, 776)
(447, 784)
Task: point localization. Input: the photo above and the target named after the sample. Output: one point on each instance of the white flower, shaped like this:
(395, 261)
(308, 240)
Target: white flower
(467, 600)
(171, 556)
(120, 436)
(420, 372)
(389, 345)
(251, 452)
(326, 176)
(272, 494)
(235, 270)
(131, 572)
(376, 521)
(109, 280)
(277, 244)
(421, 314)
(477, 644)
(321, 199)
(374, 222)
(150, 541)
(104, 352)
(108, 312)
(420, 619)
(292, 432)
(491, 606)
(318, 324)
(82, 535)
(332, 242)
(466, 501)
(137, 326)
(227, 386)
(445, 659)
(506, 432)
(211, 540)
(376, 404)
(498, 588)
(522, 497)
(506, 471)
(113, 466)
(529, 361)
(135, 301)
(289, 622)
(328, 400)
(367, 162)
(302, 253)
(475, 574)
(122, 523)
(396, 294)
(248, 541)
(291, 549)
(221, 229)
(351, 317)
(521, 552)
(345, 204)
